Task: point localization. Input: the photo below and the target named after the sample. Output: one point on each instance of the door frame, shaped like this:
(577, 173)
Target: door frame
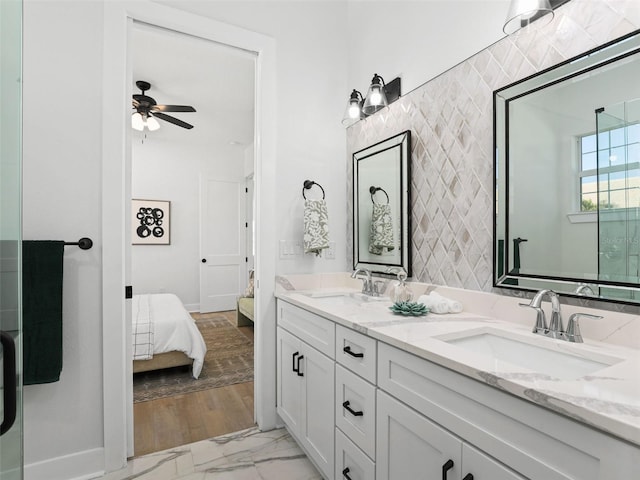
(116, 188)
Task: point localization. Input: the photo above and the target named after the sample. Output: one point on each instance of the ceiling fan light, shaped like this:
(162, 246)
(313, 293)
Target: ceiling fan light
(152, 124)
(137, 122)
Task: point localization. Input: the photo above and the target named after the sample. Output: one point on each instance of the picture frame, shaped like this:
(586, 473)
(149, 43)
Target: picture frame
(150, 222)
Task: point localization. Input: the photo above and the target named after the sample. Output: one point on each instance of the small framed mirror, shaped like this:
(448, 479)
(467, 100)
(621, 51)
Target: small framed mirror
(381, 230)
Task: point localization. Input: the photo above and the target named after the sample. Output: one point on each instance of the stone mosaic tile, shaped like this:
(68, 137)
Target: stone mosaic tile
(451, 123)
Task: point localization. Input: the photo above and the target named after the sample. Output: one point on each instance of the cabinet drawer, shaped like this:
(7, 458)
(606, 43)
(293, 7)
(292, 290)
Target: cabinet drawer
(351, 462)
(357, 352)
(357, 418)
(318, 332)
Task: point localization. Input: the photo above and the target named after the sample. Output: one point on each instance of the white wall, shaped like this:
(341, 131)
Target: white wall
(170, 169)
(312, 63)
(417, 40)
(61, 195)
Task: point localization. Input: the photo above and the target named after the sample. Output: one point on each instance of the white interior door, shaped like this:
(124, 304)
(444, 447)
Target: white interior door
(222, 243)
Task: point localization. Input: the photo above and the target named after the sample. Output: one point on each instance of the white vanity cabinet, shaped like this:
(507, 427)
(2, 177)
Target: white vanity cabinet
(305, 383)
(410, 418)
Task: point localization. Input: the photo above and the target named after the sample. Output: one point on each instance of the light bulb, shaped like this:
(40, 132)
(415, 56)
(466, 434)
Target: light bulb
(354, 110)
(376, 98)
(152, 124)
(137, 122)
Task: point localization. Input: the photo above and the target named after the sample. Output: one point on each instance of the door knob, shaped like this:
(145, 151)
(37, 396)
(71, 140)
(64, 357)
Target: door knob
(204, 260)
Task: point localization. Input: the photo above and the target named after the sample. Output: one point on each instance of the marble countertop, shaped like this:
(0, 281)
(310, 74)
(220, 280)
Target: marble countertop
(608, 399)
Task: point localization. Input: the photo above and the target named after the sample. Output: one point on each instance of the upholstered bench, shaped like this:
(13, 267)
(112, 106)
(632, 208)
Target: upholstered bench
(244, 312)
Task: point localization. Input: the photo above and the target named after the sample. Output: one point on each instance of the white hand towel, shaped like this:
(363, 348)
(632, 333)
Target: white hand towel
(316, 226)
(434, 304)
(454, 305)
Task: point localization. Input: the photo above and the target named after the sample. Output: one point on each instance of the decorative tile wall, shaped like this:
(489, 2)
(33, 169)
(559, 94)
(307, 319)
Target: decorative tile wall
(451, 123)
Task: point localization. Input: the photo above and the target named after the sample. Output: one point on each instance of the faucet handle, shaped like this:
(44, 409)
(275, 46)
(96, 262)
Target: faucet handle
(541, 319)
(573, 327)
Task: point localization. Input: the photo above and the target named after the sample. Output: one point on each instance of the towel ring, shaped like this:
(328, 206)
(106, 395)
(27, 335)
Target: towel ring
(308, 184)
(373, 190)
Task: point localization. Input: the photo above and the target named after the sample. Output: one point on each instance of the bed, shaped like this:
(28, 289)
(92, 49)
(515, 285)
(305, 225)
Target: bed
(164, 334)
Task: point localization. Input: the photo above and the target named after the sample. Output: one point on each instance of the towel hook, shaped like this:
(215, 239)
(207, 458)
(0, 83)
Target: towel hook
(373, 190)
(308, 184)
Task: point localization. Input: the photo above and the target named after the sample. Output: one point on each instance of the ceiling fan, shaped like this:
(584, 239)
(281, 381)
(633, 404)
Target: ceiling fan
(147, 110)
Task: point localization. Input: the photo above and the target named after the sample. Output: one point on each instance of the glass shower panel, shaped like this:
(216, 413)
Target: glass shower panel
(10, 238)
(618, 146)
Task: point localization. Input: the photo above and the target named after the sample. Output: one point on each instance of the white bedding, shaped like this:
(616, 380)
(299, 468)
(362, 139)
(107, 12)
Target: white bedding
(161, 324)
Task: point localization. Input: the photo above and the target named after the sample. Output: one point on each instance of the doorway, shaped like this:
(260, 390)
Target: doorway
(198, 169)
(119, 17)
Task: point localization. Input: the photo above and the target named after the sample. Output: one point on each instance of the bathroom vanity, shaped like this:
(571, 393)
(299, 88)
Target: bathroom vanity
(371, 395)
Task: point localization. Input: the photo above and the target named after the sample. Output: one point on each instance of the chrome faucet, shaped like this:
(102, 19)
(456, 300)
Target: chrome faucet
(367, 283)
(555, 328)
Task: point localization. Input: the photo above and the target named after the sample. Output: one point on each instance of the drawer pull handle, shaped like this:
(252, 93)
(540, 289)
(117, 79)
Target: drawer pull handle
(293, 361)
(348, 351)
(448, 465)
(468, 476)
(300, 374)
(345, 473)
(351, 410)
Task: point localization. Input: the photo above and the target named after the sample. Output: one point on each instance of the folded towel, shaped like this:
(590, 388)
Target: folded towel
(454, 305)
(42, 262)
(434, 304)
(381, 233)
(439, 304)
(316, 226)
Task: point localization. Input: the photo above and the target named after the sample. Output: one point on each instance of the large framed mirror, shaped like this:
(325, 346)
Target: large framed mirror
(567, 176)
(381, 229)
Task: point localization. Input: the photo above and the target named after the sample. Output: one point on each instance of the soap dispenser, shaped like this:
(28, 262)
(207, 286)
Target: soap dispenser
(401, 292)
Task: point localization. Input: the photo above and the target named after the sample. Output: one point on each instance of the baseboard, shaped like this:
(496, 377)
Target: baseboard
(78, 466)
(192, 307)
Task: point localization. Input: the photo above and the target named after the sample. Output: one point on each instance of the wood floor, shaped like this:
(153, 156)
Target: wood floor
(170, 422)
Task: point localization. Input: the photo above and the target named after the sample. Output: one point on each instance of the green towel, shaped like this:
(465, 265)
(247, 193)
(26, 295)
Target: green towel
(42, 310)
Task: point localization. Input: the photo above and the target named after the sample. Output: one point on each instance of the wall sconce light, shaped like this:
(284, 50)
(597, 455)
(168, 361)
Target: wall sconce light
(379, 95)
(353, 112)
(522, 13)
(139, 121)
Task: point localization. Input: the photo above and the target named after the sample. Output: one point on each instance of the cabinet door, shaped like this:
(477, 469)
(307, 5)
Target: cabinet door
(317, 428)
(408, 446)
(288, 381)
(484, 468)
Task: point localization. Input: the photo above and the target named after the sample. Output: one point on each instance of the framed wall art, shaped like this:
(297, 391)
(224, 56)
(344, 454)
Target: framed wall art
(150, 222)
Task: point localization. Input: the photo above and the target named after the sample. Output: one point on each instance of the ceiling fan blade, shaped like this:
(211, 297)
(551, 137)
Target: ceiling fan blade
(173, 108)
(170, 119)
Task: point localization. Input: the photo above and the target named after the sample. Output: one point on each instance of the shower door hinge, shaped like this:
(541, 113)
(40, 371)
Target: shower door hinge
(128, 291)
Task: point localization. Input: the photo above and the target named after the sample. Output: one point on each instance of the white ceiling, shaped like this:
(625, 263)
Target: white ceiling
(217, 80)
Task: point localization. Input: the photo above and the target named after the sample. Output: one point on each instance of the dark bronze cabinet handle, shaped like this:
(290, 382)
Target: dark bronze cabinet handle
(468, 476)
(351, 410)
(204, 260)
(448, 465)
(300, 374)
(293, 359)
(9, 377)
(348, 351)
(345, 473)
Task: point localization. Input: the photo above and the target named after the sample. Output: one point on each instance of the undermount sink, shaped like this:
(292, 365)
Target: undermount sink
(343, 298)
(555, 358)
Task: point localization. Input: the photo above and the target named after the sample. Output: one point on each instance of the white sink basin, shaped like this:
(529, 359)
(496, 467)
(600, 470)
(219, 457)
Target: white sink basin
(343, 298)
(556, 358)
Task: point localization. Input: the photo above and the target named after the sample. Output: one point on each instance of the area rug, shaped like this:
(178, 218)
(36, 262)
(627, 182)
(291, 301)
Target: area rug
(229, 360)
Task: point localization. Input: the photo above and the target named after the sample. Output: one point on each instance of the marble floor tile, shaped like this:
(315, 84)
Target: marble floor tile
(246, 455)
